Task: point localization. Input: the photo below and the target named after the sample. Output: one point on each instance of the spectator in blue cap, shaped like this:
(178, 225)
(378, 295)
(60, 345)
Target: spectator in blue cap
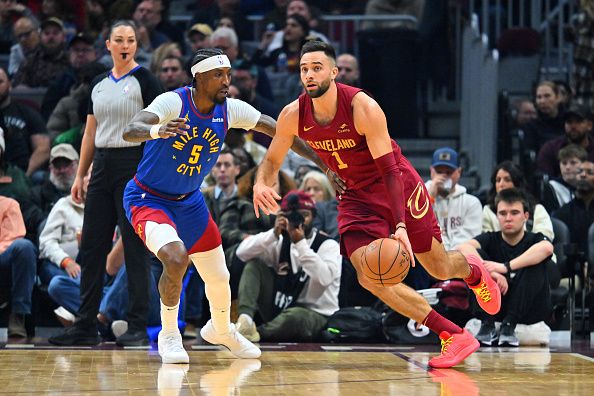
(459, 213)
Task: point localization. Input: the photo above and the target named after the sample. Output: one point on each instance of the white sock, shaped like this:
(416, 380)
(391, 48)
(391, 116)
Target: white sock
(221, 318)
(169, 317)
(213, 270)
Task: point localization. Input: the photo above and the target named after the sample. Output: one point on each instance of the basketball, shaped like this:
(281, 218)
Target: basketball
(385, 262)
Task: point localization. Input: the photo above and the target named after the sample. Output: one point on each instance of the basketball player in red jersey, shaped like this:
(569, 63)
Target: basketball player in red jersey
(385, 197)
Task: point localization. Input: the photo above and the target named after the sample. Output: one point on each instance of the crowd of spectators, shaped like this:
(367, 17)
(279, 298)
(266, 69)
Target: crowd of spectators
(59, 47)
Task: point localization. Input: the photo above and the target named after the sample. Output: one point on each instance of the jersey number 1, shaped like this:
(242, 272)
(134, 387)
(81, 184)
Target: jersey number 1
(341, 165)
(195, 155)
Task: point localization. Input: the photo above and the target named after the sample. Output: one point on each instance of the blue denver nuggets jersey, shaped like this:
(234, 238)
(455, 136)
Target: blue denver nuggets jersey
(178, 165)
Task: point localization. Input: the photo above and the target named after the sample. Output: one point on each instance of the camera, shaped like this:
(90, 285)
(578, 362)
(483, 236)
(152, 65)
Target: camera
(292, 214)
(295, 218)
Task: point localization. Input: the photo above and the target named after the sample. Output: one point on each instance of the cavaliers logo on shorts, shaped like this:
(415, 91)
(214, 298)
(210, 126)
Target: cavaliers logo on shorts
(139, 230)
(418, 202)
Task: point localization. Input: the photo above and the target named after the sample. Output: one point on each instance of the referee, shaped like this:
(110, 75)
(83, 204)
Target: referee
(116, 97)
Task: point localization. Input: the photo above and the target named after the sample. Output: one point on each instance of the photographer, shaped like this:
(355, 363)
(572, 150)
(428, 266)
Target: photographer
(292, 276)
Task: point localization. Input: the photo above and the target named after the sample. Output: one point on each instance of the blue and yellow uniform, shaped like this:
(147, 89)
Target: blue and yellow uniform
(165, 189)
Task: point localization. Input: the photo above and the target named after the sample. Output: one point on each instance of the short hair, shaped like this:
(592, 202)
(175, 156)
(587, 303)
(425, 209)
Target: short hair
(123, 22)
(225, 32)
(318, 45)
(572, 151)
(227, 150)
(512, 195)
(322, 180)
(173, 57)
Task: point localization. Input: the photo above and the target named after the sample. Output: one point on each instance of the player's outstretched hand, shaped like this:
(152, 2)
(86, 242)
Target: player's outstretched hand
(175, 127)
(338, 184)
(401, 235)
(265, 198)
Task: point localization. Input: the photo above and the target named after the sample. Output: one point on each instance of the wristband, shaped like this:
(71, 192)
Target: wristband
(155, 131)
(399, 226)
(508, 267)
(67, 261)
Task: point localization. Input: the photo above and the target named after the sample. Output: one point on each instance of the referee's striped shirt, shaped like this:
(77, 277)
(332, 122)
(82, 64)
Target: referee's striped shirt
(115, 101)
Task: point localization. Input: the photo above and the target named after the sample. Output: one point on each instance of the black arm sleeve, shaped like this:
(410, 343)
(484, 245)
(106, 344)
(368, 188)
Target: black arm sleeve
(95, 81)
(149, 85)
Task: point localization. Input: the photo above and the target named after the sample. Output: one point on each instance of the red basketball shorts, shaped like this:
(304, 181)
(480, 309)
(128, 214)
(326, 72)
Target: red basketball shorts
(365, 215)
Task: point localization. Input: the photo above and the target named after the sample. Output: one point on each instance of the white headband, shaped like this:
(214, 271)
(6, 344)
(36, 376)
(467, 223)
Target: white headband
(214, 62)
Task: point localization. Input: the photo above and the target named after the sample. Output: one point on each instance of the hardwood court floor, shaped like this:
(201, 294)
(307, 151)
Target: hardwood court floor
(309, 369)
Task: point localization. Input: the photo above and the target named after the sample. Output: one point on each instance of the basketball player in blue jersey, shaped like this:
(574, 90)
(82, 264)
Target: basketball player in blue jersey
(184, 131)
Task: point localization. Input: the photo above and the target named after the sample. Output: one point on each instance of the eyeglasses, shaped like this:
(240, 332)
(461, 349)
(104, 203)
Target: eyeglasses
(168, 69)
(24, 35)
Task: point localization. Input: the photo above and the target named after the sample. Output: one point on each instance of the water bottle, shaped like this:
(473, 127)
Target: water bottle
(281, 63)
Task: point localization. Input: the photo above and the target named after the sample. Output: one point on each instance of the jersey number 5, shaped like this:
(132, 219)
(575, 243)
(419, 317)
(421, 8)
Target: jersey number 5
(195, 155)
(341, 165)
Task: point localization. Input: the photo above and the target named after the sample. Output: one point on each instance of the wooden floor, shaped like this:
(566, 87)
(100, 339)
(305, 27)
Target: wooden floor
(293, 369)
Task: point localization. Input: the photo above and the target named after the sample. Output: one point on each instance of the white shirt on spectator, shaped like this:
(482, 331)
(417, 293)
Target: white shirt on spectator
(324, 267)
(458, 215)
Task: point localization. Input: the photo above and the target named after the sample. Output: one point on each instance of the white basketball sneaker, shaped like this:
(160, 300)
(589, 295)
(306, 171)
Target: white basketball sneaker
(171, 348)
(233, 341)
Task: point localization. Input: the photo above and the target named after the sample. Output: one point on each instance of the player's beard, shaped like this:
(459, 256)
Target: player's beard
(219, 100)
(324, 86)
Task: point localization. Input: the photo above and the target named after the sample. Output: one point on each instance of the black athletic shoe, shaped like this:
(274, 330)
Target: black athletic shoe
(487, 335)
(75, 336)
(133, 338)
(507, 335)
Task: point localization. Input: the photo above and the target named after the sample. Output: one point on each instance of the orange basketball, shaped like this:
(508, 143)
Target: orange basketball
(385, 262)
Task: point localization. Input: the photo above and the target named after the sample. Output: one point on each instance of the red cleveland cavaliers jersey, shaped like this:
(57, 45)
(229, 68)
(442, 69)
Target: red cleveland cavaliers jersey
(338, 144)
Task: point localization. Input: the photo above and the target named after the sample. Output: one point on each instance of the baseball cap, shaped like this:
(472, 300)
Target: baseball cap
(201, 28)
(296, 199)
(445, 156)
(82, 37)
(63, 150)
(52, 21)
(578, 111)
